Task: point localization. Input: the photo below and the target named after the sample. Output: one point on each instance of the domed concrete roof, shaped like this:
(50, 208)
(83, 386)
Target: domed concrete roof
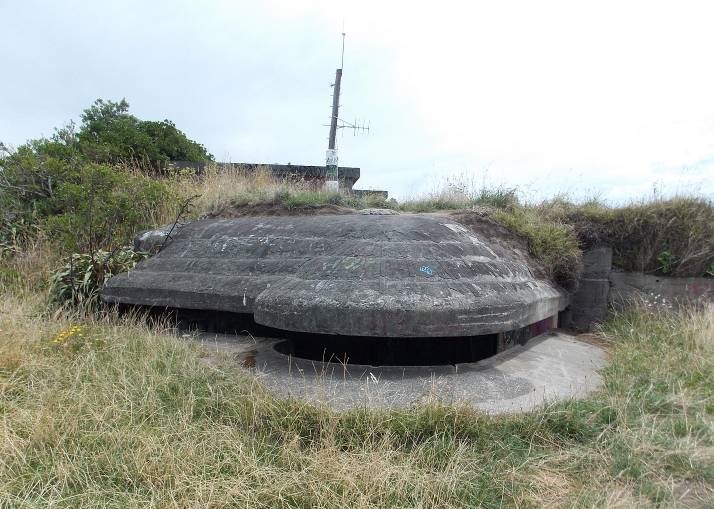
(406, 275)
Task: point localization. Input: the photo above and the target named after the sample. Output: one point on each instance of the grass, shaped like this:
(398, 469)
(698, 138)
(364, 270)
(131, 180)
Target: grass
(123, 415)
(643, 233)
(552, 242)
(673, 236)
(220, 190)
(459, 195)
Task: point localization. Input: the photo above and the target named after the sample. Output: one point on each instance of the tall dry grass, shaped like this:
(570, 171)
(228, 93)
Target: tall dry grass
(218, 190)
(126, 415)
(672, 236)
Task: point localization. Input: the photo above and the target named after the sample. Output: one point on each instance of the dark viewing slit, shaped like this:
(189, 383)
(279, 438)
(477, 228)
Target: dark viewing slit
(373, 351)
(389, 351)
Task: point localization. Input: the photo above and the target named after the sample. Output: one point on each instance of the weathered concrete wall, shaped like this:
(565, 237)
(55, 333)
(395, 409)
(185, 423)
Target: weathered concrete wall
(603, 289)
(629, 286)
(396, 275)
(589, 304)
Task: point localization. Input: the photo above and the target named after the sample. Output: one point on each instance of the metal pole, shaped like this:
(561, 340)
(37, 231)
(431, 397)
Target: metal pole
(331, 181)
(335, 108)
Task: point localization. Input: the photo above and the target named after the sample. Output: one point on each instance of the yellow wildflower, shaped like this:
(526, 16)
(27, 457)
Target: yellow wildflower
(67, 334)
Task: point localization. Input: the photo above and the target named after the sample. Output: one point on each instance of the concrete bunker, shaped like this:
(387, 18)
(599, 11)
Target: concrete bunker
(403, 289)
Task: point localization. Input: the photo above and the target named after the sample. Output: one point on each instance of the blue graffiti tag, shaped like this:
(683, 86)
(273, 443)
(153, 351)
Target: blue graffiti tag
(426, 270)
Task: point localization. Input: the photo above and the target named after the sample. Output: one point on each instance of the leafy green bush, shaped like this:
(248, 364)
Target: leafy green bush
(102, 208)
(79, 281)
(65, 184)
(666, 262)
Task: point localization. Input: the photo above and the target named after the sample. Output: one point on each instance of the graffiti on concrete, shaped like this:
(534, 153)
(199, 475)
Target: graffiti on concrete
(426, 270)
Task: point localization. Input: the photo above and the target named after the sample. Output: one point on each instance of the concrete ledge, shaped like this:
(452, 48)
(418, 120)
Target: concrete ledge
(551, 367)
(627, 286)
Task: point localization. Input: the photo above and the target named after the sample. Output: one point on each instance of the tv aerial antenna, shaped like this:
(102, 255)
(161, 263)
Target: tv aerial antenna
(336, 123)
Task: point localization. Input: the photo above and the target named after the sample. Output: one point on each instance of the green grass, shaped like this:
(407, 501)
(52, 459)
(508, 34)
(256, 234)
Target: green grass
(298, 199)
(673, 237)
(553, 243)
(646, 232)
(126, 416)
(460, 197)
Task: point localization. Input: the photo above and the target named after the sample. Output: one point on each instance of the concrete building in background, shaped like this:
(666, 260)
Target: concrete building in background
(317, 175)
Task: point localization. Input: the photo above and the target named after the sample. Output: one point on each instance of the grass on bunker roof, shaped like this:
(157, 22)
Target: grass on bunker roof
(668, 236)
(107, 412)
(236, 190)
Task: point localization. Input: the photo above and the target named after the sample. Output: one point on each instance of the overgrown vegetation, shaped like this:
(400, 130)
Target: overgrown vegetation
(552, 242)
(459, 193)
(224, 191)
(111, 413)
(90, 188)
(666, 236)
(672, 236)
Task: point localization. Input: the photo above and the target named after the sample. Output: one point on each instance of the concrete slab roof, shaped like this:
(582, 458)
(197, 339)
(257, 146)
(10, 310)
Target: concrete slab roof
(406, 275)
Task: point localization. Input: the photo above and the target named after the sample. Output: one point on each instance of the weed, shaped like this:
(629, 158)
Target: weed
(666, 262)
(645, 235)
(79, 281)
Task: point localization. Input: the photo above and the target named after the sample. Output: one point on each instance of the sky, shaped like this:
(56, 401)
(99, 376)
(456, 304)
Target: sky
(609, 99)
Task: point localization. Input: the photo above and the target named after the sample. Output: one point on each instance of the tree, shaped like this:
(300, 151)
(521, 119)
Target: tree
(70, 184)
(108, 133)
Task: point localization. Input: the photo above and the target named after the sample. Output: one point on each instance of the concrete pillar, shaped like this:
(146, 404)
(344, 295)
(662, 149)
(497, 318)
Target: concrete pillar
(589, 304)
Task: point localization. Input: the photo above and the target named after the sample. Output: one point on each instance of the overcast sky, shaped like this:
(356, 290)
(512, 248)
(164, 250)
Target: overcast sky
(599, 98)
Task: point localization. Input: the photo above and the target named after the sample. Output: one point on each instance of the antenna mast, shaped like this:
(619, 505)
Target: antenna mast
(332, 178)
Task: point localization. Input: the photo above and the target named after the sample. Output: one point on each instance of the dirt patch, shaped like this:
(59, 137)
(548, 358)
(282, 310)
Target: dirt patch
(507, 242)
(276, 209)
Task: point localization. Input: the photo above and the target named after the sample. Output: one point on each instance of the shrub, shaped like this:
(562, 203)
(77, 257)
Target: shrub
(666, 261)
(64, 184)
(78, 282)
(102, 208)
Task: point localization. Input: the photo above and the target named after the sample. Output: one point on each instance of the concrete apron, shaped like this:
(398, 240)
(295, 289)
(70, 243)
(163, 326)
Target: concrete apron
(550, 367)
